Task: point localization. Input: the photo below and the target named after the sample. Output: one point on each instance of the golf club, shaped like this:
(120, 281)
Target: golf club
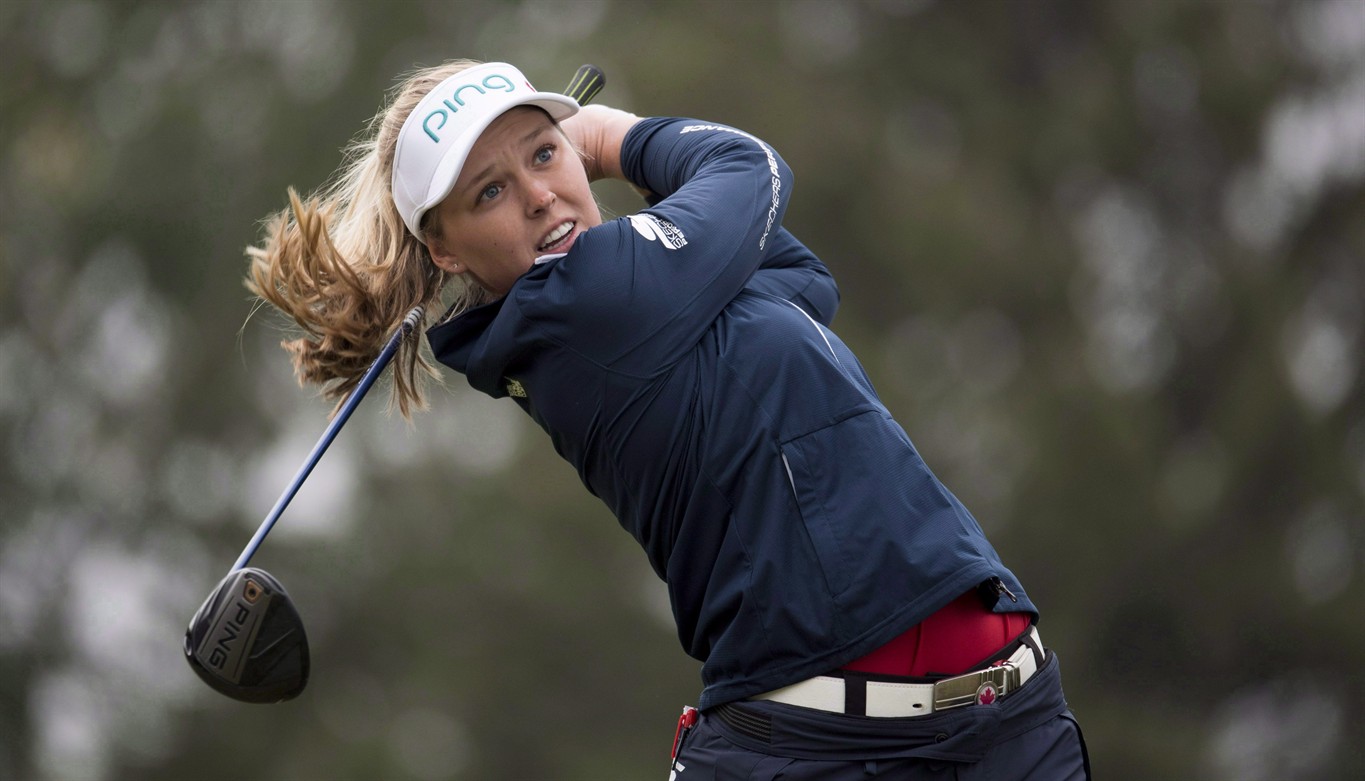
(587, 81)
(247, 639)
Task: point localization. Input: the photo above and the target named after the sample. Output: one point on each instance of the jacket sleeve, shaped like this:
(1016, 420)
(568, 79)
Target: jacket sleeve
(791, 271)
(638, 291)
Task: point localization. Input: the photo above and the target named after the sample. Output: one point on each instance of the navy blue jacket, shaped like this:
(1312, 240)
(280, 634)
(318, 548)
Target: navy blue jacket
(680, 359)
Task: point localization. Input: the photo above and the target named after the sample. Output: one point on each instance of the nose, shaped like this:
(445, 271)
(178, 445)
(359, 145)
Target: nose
(539, 196)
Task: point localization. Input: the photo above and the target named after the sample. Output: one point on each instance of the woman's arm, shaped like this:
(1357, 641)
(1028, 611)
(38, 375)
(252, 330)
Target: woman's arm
(791, 271)
(788, 269)
(660, 277)
(597, 132)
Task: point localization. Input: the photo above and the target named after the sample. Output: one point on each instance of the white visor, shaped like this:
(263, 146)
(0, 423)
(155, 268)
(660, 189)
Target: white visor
(438, 134)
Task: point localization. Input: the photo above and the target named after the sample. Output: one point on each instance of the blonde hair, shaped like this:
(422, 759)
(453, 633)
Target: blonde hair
(341, 264)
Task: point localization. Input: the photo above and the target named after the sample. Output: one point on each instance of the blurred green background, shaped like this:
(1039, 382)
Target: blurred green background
(1105, 261)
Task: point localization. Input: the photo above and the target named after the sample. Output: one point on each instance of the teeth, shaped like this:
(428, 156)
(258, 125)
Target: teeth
(557, 234)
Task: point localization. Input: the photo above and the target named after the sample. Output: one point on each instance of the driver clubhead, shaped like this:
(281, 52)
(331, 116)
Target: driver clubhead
(247, 640)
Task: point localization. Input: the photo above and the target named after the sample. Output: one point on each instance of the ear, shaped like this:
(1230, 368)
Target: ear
(442, 257)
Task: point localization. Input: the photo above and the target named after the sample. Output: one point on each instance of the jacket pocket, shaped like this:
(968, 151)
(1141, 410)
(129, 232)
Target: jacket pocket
(833, 476)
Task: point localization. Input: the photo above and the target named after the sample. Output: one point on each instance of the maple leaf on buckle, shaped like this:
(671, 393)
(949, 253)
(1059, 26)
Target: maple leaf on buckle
(986, 695)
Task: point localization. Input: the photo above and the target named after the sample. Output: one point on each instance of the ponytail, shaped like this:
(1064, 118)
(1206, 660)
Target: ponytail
(341, 264)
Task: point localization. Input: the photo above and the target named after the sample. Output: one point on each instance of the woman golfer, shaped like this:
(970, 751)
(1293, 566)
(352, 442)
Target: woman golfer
(851, 617)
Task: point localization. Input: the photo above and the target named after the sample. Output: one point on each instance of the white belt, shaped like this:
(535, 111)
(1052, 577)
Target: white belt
(885, 699)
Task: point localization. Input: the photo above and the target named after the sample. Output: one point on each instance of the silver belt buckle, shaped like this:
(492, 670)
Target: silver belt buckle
(981, 687)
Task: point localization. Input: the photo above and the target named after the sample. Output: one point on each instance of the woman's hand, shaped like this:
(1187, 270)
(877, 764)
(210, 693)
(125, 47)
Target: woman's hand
(597, 132)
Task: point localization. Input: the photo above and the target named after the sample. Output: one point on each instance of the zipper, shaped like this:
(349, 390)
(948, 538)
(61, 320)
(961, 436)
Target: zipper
(1002, 590)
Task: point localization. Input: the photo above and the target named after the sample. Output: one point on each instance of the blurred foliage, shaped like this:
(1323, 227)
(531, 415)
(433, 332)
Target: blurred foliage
(1105, 261)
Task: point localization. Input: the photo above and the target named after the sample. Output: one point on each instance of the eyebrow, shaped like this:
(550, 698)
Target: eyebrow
(479, 177)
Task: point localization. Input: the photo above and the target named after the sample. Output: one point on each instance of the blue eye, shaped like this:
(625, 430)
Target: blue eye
(545, 153)
(490, 192)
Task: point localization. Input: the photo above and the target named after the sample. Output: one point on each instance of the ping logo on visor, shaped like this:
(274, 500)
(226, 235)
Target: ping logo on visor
(438, 134)
(455, 102)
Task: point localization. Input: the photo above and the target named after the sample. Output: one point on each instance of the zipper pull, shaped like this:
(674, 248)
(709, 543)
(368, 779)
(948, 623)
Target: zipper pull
(1002, 589)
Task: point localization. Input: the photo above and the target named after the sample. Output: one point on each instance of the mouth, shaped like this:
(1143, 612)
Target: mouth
(559, 239)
